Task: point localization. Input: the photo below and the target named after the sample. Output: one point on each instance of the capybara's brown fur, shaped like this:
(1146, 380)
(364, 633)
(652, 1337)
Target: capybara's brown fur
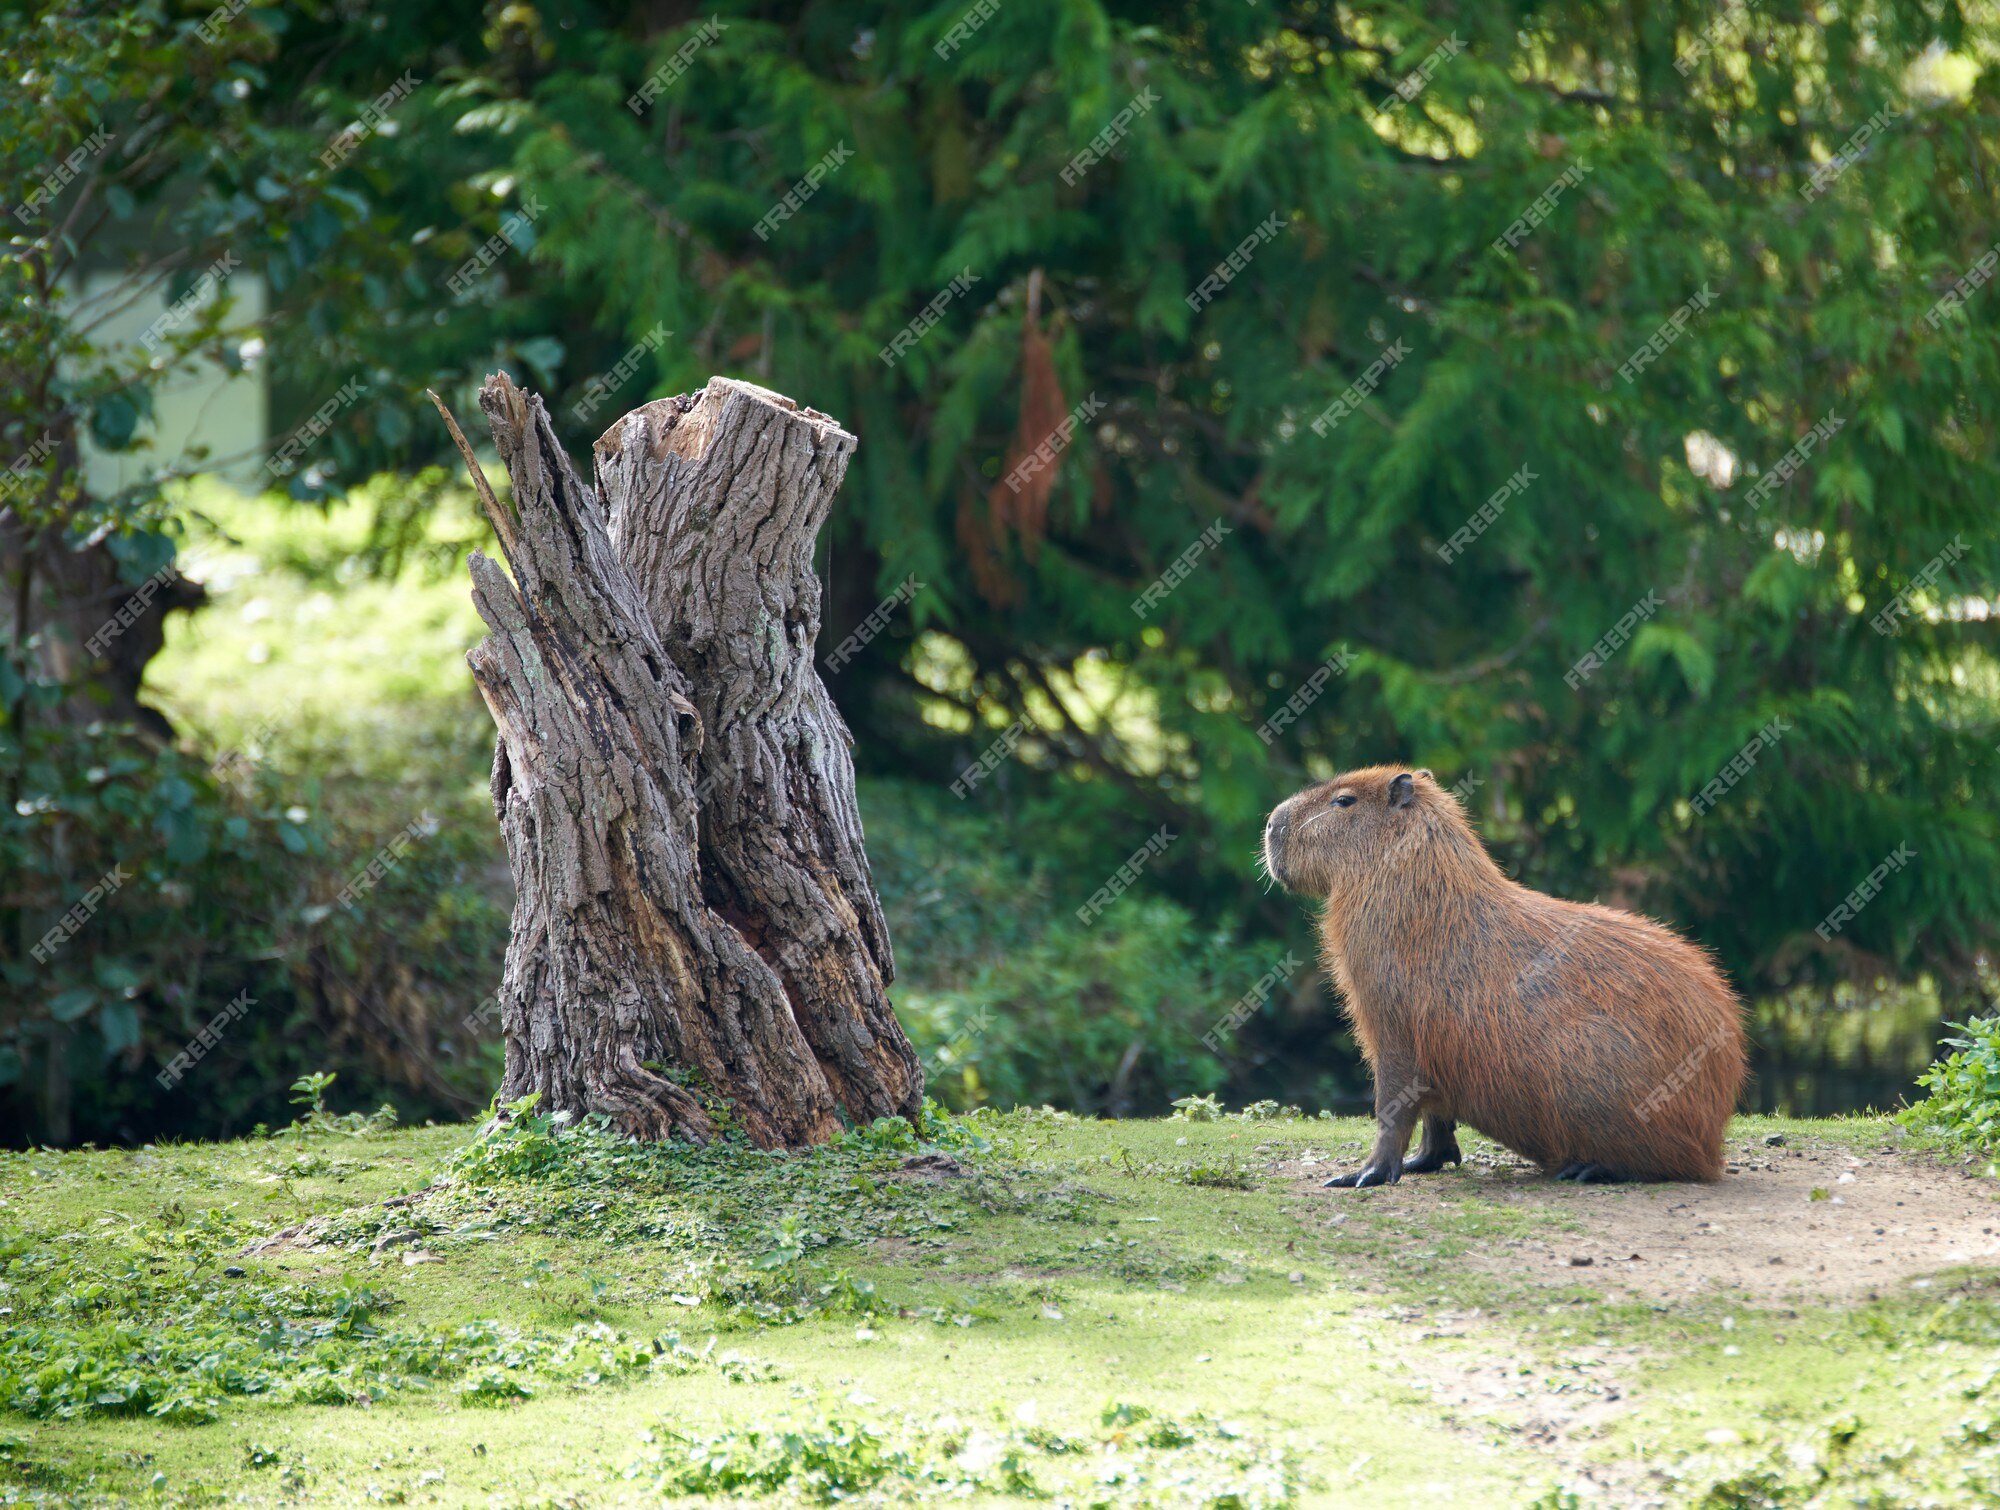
(1592, 1041)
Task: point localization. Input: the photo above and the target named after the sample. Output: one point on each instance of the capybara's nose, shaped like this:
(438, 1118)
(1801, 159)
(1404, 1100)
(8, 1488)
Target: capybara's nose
(1276, 829)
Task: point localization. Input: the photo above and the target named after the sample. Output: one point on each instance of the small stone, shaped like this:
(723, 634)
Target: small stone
(1774, 1140)
(232, 1272)
(1581, 1261)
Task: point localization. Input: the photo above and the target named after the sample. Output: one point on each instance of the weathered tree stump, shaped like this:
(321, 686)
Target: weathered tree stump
(715, 501)
(694, 922)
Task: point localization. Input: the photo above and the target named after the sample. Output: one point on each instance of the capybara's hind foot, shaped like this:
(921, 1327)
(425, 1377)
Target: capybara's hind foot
(1439, 1148)
(1586, 1173)
(1368, 1174)
(1430, 1161)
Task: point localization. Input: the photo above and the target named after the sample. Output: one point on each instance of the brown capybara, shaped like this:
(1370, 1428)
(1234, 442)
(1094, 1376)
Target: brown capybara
(1594, 1042)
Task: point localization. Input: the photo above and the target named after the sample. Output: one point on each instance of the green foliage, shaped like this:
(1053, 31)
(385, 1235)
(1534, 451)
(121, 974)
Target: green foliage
(1226, 1173)
(746, 1230)
(204, 898)
(309, 1092)
(521, 1144)
(1840, 1460)
(1133, 1457)
(317, 751)
(137, 873)
(1964, 1101)
(825, 1461)
(129, 104)
(158, 1320)
(1388, 211)
(143, 147)
(1105, 1020)
(1210, 1109)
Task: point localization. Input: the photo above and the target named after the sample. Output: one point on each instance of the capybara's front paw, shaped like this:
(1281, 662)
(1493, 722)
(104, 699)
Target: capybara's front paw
(1368, 1174)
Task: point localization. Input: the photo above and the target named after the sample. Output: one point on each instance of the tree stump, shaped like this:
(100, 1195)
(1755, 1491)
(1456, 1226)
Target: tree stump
(694, 922)
(715, 502)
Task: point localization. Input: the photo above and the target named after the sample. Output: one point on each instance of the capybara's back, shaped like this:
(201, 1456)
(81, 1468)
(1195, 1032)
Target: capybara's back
(1593, 1041)
(1592, 1035)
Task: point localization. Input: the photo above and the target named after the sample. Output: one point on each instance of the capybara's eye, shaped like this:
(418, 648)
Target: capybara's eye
(1343, 800)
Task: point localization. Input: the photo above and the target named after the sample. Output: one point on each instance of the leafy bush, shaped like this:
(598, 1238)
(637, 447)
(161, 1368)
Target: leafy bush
(1964, 1100)
(212, 918)
(145, 891)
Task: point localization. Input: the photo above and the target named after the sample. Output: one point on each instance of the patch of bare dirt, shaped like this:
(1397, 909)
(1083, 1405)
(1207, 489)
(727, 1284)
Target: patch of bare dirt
(1555, 1410)
(932, 1166)
(1806, 1221)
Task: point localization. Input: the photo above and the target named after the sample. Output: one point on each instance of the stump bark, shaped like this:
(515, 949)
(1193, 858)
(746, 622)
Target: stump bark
(715, 501)
(696, 935)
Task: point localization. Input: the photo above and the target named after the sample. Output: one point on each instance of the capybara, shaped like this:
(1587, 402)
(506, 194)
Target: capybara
(1596, 1043)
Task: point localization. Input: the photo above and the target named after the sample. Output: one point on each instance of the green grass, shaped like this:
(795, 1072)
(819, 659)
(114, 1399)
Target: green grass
(1084, 1312)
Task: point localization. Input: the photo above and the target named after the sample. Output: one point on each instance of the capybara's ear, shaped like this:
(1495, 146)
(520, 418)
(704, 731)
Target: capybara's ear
(1402, 791)
(1427, 774)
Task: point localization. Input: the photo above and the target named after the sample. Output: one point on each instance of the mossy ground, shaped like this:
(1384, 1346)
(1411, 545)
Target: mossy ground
(1127, 1313)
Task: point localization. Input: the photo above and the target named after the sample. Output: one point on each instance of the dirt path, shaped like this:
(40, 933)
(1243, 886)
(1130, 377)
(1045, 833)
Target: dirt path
(1809, 1220)
(1805, 1221)
(1812, 1221)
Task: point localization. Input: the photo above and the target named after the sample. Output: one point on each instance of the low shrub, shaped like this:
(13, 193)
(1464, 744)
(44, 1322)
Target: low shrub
(161, 905)
(1963, 1106)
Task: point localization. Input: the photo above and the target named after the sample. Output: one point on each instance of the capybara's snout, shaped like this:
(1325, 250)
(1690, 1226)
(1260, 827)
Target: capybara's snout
(1277, 834)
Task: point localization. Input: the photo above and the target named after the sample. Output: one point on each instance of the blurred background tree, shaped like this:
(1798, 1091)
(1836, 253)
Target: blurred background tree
(1512, 203)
